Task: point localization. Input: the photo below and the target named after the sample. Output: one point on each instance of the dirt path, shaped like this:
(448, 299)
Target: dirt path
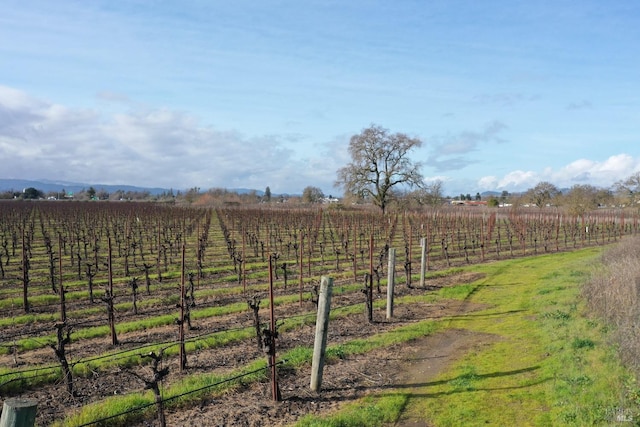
(428, 358)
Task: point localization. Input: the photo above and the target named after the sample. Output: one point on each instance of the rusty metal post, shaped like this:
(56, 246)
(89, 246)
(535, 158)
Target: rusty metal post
(301, 266)
(275, 390)
(109, 298)
(25, 272)
(370, 287)
(183, 354)
(355, 253)
(63, 306)
(243, 264)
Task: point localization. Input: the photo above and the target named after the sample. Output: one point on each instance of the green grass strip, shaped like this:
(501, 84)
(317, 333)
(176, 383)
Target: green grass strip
(552, 365)
(549, 365)
(371, 411)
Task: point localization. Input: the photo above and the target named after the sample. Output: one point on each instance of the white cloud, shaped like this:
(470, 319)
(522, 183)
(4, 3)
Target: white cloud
(602, 174)
(488, 182)
(13, 99)
(518, 180)
(153, 147)
(582, 171)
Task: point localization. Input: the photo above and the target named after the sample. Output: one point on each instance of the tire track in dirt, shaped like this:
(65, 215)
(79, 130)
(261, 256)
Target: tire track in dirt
(433, 354)
(429, 357)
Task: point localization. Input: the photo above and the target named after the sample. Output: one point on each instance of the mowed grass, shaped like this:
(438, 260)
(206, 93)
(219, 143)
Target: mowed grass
(548, 362)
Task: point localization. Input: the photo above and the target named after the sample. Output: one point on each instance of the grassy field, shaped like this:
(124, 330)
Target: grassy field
(551, 363)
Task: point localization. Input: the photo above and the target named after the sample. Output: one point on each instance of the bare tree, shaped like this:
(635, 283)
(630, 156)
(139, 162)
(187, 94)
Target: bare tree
(629, 188)
(542, 194)
(430, 194)
(379, 162)
(312, 195)
(582, 198)
(434, 193)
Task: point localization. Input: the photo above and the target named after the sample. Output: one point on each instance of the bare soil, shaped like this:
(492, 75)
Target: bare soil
(404, 366)
(399, 368)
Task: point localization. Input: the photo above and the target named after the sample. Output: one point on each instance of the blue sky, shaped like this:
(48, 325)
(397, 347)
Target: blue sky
(197, 93)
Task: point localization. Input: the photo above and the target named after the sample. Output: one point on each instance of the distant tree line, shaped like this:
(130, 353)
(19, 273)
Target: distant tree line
(91, 193)
(381, 173)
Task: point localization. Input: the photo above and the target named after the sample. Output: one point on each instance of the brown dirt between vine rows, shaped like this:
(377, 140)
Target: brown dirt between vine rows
(380, 371)
(398, 368)
(395, 369)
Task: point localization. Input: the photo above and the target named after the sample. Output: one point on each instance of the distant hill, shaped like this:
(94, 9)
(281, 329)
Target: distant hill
(246, 191)
(49, 185)
(487, 194)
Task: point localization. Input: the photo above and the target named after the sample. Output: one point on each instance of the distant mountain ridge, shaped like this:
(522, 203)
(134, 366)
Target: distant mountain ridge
(50, 185)
(47, 185)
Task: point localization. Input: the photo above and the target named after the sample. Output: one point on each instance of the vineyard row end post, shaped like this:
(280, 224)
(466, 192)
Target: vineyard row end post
(322, 326)
(391, 281)
(19, 412)
(423, 260)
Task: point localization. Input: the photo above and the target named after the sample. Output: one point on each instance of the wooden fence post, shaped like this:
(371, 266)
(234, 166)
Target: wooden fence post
(423, 260)
(391, 276)
(19, 412)
(322, 324)
(369, 282)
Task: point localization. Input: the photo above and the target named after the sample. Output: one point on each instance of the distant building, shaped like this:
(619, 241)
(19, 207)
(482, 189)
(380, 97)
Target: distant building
(469, 202)
(330, 200)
